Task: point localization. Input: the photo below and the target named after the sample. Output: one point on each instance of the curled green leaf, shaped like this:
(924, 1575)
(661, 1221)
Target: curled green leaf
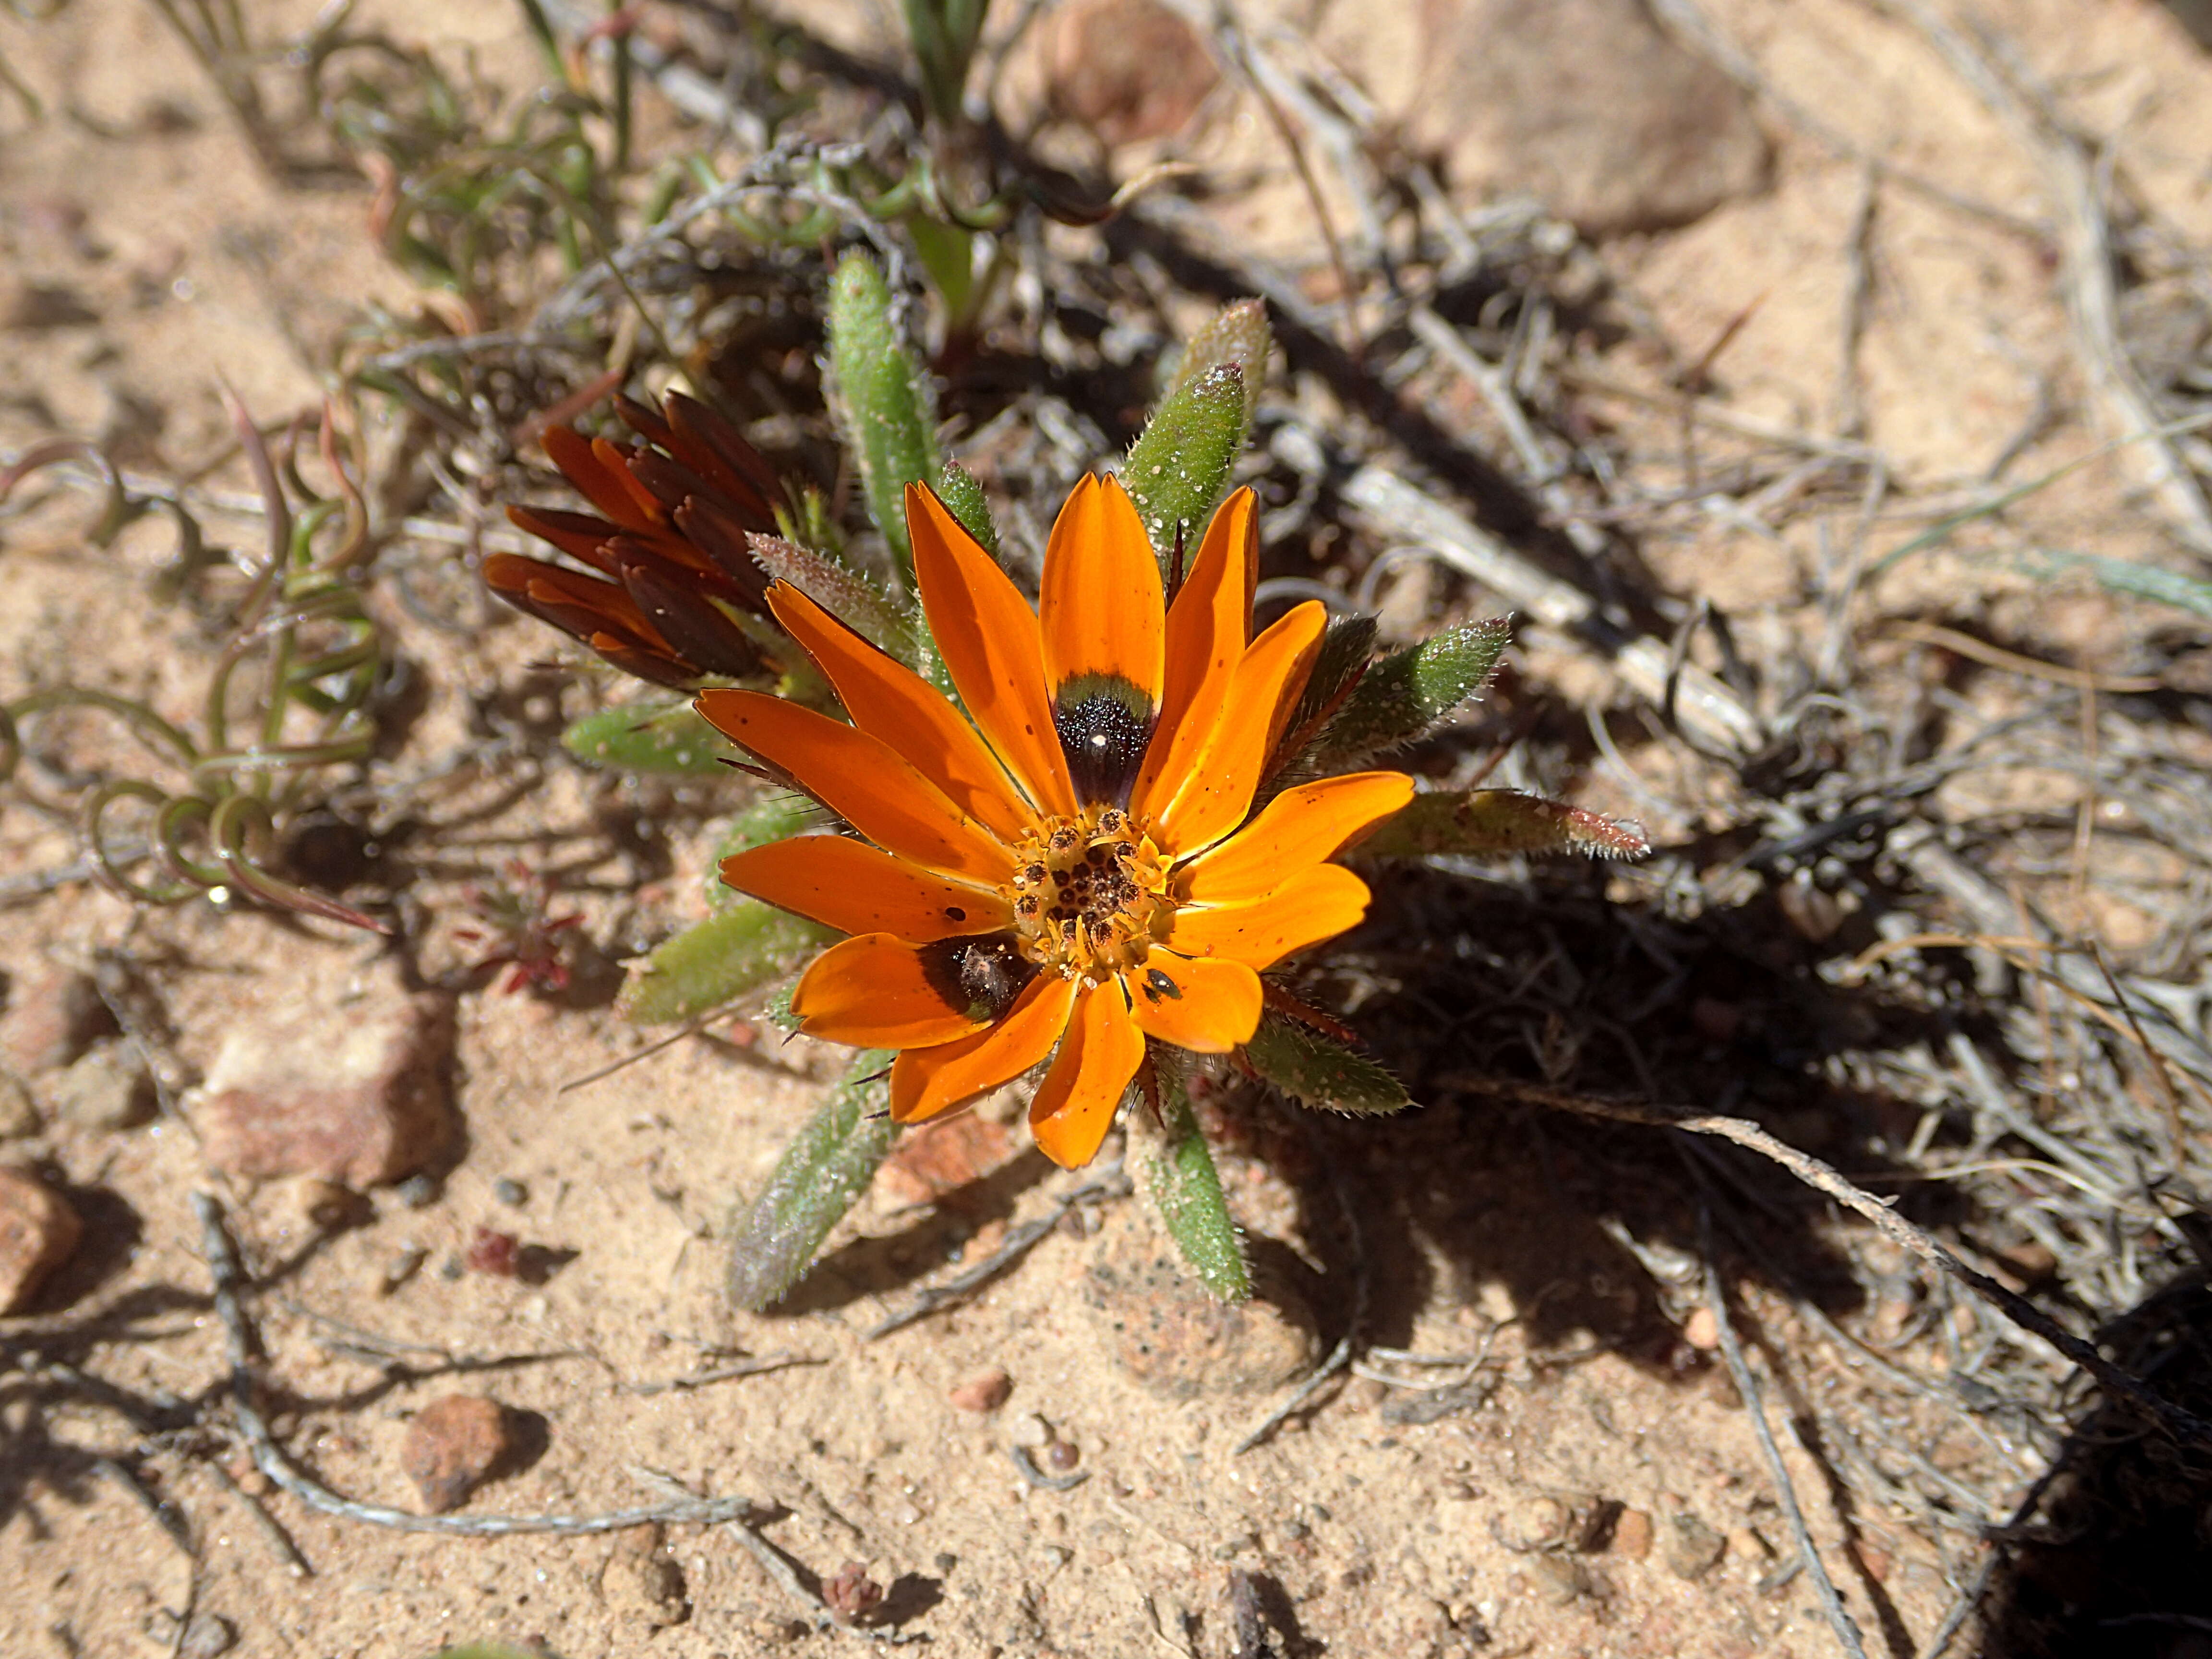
(1317, 1070)
(1500, 823)
(1178, 1171)
(820, 1176)
(639, 737)
(1405, 694)
(717, 961)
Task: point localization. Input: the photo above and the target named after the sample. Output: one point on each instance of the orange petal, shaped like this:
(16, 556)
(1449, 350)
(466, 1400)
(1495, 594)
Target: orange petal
(989, 634)
(1100, 611)
(1075, 1104)
(890, 701)
(854, 888)
(1317, 903)
(861, 779)
(879, 991)
(1208, 1004)
(1206, 630)
(1216, 795)
(1299, 828)
(928, 1081)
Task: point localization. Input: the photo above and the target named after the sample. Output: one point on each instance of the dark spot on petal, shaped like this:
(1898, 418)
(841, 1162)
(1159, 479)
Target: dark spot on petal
(954, 913)
(979, 976)
(1104, 723)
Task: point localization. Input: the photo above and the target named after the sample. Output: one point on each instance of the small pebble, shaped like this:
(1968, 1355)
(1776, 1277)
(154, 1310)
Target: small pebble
(417, 1192)
(1701, 1330)
(53, 1015)
(19, 1109)
(986, 1391)
(1560, 1579)
(494, 1253)
(1031, 1431)
(510, 1192)
(453, 1446)
(1692, 1549)
(207, 1636)
(39, 1229)
(1631, 1534)
(406, 1261)
(107, 1087)
(1062, 1455)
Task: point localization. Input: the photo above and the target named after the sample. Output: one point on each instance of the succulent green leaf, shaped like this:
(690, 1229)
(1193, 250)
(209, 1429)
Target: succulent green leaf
(1179, 1173)
(944, 33)
(964, 499)
(1406, 693)
(1345, 650)
(1500, 823)
(636, 738)
(1317, 1071)
(883, 397)
(717, 960)
(947, 254)
(775, 816)
(1238, 334)
(820, 1176)
(1178, 469)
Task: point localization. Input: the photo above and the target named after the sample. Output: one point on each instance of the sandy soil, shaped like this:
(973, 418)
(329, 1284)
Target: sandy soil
(187, 263)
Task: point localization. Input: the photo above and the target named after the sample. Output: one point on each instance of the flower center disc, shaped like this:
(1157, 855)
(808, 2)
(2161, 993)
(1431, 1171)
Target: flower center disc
(1089, 894)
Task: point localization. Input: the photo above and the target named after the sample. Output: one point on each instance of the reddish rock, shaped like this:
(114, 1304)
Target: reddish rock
(1588, 104)
(986, 1391)
(355, 1094)
(1168, 1332)
(453, 1446)
(938, 1159)
(1632, 1534)
(54, 1014)
(1128, 69)
(493, 1252)
(38, 1231)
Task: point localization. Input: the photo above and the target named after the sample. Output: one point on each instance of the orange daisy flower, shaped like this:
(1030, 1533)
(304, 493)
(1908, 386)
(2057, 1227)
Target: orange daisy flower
(1075, 868)
(671, 550)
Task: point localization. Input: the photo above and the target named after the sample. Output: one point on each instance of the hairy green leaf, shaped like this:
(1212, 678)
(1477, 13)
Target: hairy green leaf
(659, 737)
(820, 1176)
(1317, 1070)
(853, 598)
(1179, 1173)
(717, 961)
(964, 499)
(1178, 469)
(1405, 694)
(1499, 823)
(881, 395)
